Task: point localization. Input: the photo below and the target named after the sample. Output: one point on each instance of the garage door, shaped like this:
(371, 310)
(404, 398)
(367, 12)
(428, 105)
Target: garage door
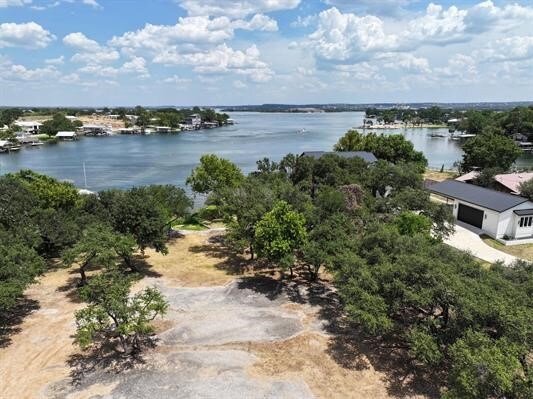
(470, 215)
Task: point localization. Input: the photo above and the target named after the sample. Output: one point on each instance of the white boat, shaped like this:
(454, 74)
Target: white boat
(37, 144)
(302, 130)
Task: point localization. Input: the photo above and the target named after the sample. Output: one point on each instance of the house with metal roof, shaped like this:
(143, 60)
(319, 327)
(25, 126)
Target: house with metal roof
(505, 217)
(364, 155)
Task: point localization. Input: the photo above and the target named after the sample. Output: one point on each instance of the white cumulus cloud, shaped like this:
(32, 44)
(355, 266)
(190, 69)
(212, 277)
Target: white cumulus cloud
(28, 35)
(345, 37)
(14, 3)
(236, 8)
(221, 59)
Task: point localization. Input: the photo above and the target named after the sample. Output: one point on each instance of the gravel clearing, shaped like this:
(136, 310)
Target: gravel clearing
(220, 315)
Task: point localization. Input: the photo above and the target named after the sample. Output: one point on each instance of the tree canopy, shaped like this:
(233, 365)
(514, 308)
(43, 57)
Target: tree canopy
(489, 150)
(279, 234)
(393, 148)
(214, 174)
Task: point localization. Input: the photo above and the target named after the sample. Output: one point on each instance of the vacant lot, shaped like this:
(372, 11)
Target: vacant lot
(230, 333)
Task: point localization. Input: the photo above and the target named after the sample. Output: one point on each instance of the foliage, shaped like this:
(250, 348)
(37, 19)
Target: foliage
(486, 177)
(137, 212)
(411, 224)
(99, 247)
(173, 200)
(243, 207)
(327, 240)
(50, 192)
(392, 148)
(526, 189)
(19, 265)
(112, 314)
(483, 367)
(444, 307)
(9, 115)
(58, 123)
(279, 234)
(214, 174)
(489, 150)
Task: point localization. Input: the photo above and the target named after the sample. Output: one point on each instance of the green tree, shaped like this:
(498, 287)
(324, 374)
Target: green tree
(139, 213)
(526, 189)
(410, 224)
(475, 122)
(113, 315)
(99, 247)
(484, 368)
(489, 151)
(393, 148)
(9, 115)
(19, 265)
(279, 234)
(50, 192)
(327, 240)
(486, 178)
(58, 123)
(213, 174)
(242, 208)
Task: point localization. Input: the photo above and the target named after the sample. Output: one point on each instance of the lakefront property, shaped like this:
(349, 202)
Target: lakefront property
(266, 199)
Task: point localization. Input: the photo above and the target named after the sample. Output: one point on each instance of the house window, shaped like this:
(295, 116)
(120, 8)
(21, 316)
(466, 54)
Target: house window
(526, 221)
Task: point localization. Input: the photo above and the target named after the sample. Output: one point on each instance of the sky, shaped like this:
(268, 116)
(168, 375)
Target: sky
(214, 52)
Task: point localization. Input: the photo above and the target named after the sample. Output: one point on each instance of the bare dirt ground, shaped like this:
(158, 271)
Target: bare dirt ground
(229, 333)
(101, 120)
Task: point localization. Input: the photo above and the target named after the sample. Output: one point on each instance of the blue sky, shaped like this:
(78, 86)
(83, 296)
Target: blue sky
(186, 52)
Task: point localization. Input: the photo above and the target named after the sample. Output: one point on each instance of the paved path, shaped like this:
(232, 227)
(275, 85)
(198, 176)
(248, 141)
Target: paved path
(467, 239)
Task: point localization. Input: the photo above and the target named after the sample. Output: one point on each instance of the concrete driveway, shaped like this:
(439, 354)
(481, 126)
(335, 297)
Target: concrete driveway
(467, 239)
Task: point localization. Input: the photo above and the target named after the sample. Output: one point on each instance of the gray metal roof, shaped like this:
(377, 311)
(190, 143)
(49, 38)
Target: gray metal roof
(481, 196)
(364, 155)
(524, 212)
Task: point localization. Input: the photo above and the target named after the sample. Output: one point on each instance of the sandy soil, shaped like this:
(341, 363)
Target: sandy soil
(439, 176)
(226, 335)
(100, 120)
(39, 353)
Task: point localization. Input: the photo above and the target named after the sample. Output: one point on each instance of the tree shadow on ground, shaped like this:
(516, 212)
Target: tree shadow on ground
(10, 321)
(230, 261)
(91, 364)
(349, 346)
(140, 268)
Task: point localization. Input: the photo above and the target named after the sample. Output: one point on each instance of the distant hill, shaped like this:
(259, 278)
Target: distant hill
(341, 107)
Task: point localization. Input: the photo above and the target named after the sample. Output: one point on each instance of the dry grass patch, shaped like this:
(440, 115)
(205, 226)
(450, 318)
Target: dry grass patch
(439, 176)
(39, 352)
(194, 260)
(306, 357)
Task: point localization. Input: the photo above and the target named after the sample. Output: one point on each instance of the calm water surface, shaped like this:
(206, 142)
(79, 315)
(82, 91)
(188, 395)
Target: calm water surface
(125, 161)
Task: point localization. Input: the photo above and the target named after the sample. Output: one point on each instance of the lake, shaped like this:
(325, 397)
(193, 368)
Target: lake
(125, 161)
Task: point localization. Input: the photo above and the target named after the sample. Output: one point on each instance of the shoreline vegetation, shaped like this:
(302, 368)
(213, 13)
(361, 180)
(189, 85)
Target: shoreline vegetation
(37, 126)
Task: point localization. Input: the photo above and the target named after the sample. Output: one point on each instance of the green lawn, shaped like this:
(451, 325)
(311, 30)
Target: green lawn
(524, 251)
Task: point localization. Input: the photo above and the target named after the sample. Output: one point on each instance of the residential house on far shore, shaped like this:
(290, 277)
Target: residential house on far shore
(195, 120)
(29, 127)
(94, 130)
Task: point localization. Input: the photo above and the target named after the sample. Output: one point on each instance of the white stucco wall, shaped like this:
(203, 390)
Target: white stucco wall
(501, 224)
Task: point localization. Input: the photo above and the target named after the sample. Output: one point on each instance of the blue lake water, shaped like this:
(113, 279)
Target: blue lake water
(125, 161)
